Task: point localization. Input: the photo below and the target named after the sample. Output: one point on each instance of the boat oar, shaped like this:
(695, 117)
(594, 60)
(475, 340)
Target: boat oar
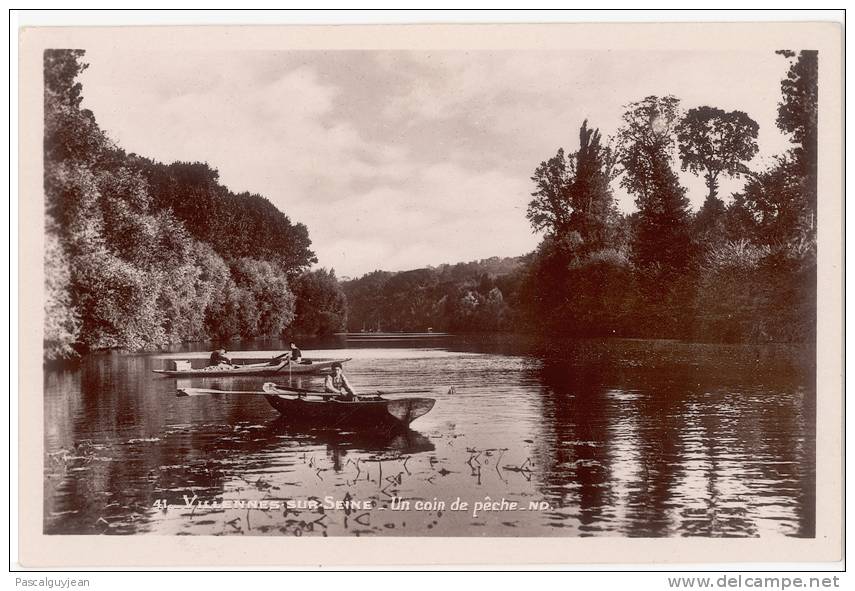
(303, 390)
(206, 391)
(369, 393)
(287, 363)
(405, 391)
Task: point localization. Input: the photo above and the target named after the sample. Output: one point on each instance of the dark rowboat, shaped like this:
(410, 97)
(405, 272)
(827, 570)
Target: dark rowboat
(307, 366)
(330, 410)
(299, 406)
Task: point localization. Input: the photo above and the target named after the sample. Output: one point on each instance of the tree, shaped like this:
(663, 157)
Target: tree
(410, 297)
(715, 142)
(797, 116)
(573, 193)
(544, 287)
(464, 310)
(646, 143)
(61, 324)
(117, 303)
(575, 205)
(710, 223)
(366, 301)
(798, 109)
(778, 204)
(662, 237)
(750, 292)
(69, 131)
(589, 295)
(61, 69)
(321, 304)
(266, 286)
(739, 222)
(593, 213)
(550, 209)
(236, 225)
(494, 310)
(188, 280)
(73, 143)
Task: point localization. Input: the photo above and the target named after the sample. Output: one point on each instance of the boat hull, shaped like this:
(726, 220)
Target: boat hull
(286, 368)
(370, 413)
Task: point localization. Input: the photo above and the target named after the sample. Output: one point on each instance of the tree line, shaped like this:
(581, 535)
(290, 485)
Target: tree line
(736, 271)
(140, 254)
(456, 298)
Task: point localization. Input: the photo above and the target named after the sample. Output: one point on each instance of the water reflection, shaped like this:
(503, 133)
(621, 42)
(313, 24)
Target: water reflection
(630, 438)
(660, 448)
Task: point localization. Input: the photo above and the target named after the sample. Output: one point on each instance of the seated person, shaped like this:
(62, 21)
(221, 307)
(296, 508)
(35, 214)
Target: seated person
(337, 383)
(296, 354)
(218, 357)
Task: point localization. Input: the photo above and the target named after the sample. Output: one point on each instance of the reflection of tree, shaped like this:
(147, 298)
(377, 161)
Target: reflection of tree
(661, 456)
(662, 439)
(583, 422)
(574, 445)
(805, 452)
(752, 438)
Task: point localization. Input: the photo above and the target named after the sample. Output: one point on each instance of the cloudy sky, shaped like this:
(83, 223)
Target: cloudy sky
(396, 160)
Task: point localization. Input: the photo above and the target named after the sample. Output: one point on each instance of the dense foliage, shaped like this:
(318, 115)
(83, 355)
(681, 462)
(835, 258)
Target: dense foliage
(741, 270)
(141, 254)
(321, 303)
(242, 225)
(463, 297)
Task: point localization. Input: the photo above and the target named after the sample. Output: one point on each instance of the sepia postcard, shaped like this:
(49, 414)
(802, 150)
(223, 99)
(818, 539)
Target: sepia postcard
(430, 294)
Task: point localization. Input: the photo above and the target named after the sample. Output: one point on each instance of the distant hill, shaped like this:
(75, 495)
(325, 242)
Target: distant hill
(460, 297)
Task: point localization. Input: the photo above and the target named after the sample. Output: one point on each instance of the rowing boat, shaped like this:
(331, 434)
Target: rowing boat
(306, 366)
(309, 406)
(331, 409)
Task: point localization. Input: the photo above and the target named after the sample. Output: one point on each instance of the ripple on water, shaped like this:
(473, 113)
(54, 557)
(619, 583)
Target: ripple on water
(617, 438)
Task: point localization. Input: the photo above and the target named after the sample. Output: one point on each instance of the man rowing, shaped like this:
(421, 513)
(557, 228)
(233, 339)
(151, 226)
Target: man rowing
(292, 355)
(336, 383)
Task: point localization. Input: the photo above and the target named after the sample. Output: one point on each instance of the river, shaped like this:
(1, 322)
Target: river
(587, 437)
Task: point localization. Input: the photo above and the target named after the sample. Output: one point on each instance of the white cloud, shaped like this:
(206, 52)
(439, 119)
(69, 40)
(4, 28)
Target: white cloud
(398, 160)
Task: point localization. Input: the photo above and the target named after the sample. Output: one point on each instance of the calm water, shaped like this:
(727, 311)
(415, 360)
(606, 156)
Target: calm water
(605, 438)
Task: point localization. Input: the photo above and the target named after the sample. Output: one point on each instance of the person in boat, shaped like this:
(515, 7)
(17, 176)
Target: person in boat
(219, 356)
(296, 355)
(336, 383)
